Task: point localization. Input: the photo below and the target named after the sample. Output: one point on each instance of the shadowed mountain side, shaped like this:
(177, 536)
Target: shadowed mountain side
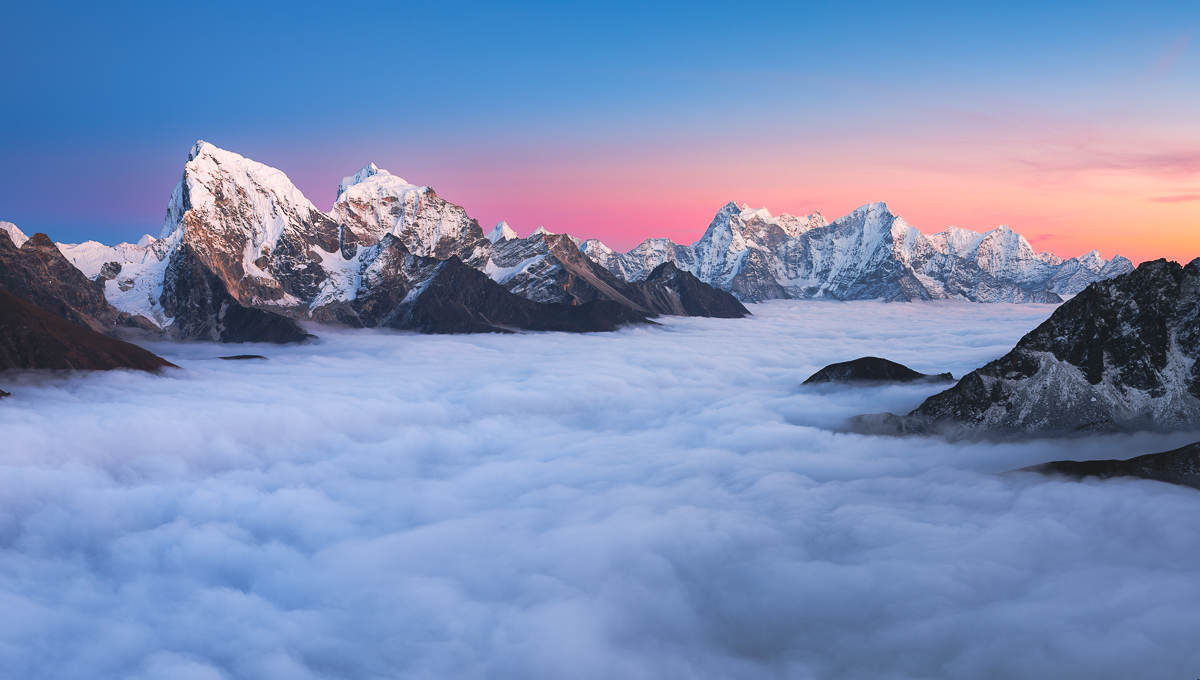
(39, 273)
(550, 268)
(872, 370)
(1180, 466)
(31, 337)
(1122, 355)
(460, 299)
(203, 309)
(673, 291)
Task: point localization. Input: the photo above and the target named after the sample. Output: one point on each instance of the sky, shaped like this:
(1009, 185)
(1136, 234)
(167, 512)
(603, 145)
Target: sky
(658, 502)
(1075, 123)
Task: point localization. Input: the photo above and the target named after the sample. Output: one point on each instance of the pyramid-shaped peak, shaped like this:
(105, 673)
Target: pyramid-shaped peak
(502, 232)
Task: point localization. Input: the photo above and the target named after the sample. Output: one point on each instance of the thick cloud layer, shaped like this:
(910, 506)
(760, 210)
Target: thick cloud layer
(654, 503)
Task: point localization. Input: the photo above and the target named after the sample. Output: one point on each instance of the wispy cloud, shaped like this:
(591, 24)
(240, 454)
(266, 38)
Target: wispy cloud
(1177, 199)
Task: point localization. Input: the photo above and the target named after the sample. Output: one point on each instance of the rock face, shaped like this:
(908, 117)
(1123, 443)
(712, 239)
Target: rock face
(1121, 355)
(203, 308)
(1180, 466)
(868, 254)
(37, 272)
(32, 337)
(872, 370)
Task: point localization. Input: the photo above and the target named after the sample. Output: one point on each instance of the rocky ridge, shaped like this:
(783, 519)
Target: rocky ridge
(1179, 466)
(33, 338)
(1122, 355)
(37, 272)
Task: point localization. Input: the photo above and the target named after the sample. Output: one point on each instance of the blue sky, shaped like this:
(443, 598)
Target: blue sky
(619, 119)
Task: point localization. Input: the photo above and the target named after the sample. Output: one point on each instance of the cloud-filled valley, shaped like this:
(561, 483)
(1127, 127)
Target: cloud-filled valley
(659, 502)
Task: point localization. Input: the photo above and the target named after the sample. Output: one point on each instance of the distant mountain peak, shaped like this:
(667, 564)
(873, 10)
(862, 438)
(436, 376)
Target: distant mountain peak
(501, 232)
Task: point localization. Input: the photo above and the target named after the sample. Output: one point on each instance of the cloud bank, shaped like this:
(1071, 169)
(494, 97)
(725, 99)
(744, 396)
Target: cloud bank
(654, 503)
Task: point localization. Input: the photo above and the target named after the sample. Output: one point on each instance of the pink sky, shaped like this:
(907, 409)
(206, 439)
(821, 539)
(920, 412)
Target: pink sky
(1066, 188)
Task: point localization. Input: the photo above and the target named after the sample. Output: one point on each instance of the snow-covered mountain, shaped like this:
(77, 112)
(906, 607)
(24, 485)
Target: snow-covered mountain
(870, 253)
(239, 235)
(91, 257)
(1124, 354)
(244, 255)
(374, 202)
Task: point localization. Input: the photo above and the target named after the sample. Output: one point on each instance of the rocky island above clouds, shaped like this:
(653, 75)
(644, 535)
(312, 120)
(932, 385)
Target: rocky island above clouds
(1122, 355)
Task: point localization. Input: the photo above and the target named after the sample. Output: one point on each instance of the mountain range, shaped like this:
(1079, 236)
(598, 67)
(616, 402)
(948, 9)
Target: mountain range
(243, 255)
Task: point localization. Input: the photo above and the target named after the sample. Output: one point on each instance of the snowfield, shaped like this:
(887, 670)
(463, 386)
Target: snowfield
(661, 502)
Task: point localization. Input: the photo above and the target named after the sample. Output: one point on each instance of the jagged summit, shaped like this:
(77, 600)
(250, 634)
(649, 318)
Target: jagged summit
(370, 170)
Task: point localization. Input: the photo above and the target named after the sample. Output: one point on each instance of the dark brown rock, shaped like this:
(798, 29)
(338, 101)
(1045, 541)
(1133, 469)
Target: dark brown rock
(32, 337)
(39, 273)
(460, 299)
(673, 291)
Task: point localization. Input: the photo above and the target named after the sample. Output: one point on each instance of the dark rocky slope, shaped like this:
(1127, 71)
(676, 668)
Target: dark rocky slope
(1180, 466)
(410, 292)
(672, 291)
(1121, 355)
(39, 273)
(460, 299)
(203, 309)
(32, 337)
(872, 370)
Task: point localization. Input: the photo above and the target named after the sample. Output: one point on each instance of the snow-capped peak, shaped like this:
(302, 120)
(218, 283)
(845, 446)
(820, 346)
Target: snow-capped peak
(18, 237)
(200, 147)
(146, 240)
(749, 213)
(541, 231)
(501, 232)
(370, 170)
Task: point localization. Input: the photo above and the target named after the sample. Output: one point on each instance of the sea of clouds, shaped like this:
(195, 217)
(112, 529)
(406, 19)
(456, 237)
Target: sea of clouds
(661, 502)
